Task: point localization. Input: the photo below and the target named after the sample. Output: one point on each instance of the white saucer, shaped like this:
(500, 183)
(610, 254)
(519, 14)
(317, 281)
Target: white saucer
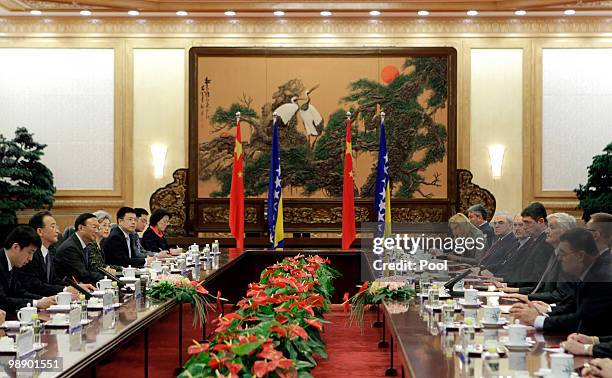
(491, 293)
(59, 308)
(456, 326)
(129, 279)
(523, 346)
(499, 323)
(11, 324)
(9, 351)
(98, 293)
(469, 305)
(50, 324)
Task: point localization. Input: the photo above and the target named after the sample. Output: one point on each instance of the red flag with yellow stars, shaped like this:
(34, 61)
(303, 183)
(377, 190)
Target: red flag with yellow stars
(348, 206)
(236, 212)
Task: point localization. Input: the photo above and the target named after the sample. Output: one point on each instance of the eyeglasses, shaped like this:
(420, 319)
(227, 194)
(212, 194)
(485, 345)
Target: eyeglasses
(565, 254)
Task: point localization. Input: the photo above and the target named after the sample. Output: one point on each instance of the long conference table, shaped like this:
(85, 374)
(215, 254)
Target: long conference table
(149, 338)
(427, 350)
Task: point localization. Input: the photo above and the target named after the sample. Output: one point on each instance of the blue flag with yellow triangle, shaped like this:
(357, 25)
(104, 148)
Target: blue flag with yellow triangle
(275, 194)
(382, 196)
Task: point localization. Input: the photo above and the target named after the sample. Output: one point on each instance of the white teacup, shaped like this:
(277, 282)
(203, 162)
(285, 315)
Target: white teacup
(517, 333)
(64, 298)
(561, 365)
(157, 265)
(59, 318)
(470, 313)
(104, 284)
(517, 360)
(129, 272)
(94, 301)
(7, 343)
(25, 314)
(492, 300)
(491, 314)
(470, 296)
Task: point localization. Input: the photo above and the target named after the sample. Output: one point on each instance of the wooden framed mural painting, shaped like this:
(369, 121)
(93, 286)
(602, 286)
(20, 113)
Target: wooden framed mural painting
(312, 90)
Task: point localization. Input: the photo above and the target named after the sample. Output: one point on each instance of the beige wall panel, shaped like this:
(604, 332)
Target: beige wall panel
(496, 117)
(159, 116)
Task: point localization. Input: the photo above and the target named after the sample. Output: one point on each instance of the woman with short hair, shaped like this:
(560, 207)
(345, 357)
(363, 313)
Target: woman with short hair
(154, 239)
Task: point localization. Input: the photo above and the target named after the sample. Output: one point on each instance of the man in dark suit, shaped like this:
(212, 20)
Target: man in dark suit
(505, 241)
(38, 276)
(478, 217)
(554, 285)
(600, 226)
(591, 303)
(71, 259)
(537, 257)
(142, 220)
(510, 266)
(119, 248)
(19, 247)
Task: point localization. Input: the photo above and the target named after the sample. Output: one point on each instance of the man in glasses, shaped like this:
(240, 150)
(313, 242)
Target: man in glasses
(588, 309)
(600, 226)
(505, 241)
(39, 276)
(72, 260)
(120, 248)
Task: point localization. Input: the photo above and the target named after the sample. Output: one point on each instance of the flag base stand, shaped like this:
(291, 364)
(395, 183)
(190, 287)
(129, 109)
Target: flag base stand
(391, 372)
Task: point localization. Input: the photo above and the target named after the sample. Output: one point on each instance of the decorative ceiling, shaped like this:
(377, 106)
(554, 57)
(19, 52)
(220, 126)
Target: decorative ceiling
(307, 8)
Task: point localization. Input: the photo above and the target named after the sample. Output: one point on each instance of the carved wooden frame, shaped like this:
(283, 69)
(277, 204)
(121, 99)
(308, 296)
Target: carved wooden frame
(319, 209)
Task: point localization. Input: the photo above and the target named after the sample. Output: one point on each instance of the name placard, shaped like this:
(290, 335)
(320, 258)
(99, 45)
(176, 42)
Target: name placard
(107, 300)
(74, 320)
(25, 342)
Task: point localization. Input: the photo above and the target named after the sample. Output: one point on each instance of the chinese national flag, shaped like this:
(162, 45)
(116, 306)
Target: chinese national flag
(348, 205)
(236, 213)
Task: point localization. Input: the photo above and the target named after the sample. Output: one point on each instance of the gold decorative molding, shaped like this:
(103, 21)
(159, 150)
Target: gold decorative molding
(471, 194)
(220, 214)
(42, 5)
(310, 215)
(417, 215)
(172, 198)
(305, 28)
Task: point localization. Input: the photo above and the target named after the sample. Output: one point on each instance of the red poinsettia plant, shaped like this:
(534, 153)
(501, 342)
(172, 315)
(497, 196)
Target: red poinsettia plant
(276, 330)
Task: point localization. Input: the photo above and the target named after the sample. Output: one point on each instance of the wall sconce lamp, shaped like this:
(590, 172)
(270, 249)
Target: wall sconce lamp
(158, 152)
(496, 155)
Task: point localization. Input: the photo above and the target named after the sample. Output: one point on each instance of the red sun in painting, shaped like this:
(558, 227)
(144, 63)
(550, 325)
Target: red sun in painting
(389, 73)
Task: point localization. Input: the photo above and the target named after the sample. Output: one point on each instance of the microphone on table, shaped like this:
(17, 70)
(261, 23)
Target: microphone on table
(451, 283)
(69, 282)
(120, 283)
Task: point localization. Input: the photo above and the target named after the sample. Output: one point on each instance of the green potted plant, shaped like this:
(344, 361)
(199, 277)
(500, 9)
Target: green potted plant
(596, 195)
(25, 182)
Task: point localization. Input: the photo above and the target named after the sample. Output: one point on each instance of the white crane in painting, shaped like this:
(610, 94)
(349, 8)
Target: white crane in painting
(309, 114)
